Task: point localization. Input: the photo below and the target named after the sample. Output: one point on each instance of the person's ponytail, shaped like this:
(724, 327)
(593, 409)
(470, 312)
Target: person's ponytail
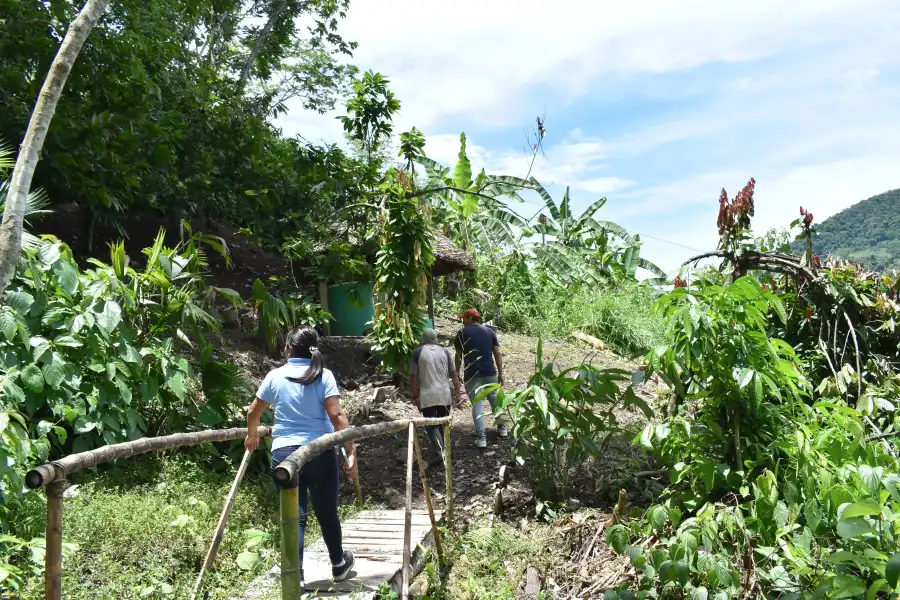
(302, 343)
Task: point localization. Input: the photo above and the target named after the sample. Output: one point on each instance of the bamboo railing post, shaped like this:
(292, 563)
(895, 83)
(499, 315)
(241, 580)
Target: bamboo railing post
(448, 474)
(53, 544)
(220, 528)
(434, 527)
(407, 527)
(290, 543)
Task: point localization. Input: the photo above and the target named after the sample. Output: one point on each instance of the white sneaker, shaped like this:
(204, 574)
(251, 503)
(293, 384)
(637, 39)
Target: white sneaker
(481, 443)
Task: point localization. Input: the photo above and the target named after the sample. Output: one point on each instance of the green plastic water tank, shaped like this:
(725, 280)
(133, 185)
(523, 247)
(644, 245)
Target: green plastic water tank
(352, 307)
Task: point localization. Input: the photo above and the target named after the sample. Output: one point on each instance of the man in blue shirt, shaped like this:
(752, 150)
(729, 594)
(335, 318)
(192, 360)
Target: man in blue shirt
(478, 346)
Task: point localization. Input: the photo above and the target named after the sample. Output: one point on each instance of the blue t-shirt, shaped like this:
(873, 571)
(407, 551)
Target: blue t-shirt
(300, 415)
(477, 343)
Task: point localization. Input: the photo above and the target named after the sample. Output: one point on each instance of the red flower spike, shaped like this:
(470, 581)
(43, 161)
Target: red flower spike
(802, 212)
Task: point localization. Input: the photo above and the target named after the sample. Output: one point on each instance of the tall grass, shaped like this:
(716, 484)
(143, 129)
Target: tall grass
(621, 314)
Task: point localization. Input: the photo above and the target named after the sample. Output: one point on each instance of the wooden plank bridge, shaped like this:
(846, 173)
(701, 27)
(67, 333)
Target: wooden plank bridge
(376, 539)
(385, 543)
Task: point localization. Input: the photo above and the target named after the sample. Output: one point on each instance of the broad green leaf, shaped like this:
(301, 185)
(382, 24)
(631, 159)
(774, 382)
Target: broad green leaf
(40, 347)
(68, 341)
(33, 378)
(111, 316)
(20, 301)
(860, 509)
(8, 325)
(699, 593)
(49, 253)
(248, 560)
(617, 538)
(54, 373)
(892, 570)
(878, 586)
(745, 377)
(177, 385)
(847, 586)
(657, 517)
(855, 527)
(66, 277)
(462, 173)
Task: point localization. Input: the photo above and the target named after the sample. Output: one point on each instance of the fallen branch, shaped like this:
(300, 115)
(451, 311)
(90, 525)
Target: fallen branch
(589, 339)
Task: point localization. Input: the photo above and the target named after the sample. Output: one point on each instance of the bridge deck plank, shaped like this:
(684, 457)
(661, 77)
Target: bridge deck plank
(376, 539)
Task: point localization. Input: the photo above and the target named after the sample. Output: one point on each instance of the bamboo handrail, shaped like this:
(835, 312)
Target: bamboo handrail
(290, 466)
(58, 469)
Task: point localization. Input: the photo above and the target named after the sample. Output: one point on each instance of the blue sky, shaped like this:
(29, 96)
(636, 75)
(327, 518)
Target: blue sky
(655, 104)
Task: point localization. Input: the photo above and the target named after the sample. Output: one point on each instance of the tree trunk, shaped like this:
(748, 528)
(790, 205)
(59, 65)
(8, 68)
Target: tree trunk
(30, 150)
(257, 46)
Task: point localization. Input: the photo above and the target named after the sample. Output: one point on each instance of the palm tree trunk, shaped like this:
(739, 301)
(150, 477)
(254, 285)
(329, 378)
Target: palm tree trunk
(30, 151)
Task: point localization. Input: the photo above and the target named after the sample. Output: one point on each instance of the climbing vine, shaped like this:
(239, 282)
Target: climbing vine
(402, 267)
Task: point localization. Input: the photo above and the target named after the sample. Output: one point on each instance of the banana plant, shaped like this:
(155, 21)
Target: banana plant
(583, 248)
(471, 208)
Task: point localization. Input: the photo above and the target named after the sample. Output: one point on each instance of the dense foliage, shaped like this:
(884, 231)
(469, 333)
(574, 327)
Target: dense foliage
(169, 108)
(779, 442)
(868, 232)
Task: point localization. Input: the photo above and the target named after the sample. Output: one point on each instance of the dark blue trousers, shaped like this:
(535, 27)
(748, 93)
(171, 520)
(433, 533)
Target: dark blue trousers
(321, 477)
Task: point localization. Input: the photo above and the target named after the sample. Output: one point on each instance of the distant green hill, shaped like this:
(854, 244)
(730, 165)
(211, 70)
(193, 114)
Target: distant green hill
(868, 232)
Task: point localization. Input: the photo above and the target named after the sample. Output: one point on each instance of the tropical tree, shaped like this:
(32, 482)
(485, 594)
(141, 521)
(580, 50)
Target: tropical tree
(472, 211)
(14, 208)
(35, 203)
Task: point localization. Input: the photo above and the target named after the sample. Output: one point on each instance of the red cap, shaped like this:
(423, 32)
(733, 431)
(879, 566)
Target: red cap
(471, 313)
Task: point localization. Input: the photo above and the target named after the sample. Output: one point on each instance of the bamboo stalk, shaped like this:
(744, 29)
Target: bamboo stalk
(223, 519)
(53, 543)
(407, 527)
(295, 462)
(448, 473)
(434, 527)
(58, 469)
(291, 585)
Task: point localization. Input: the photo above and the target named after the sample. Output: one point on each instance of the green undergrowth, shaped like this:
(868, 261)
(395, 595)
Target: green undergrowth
(142, 530)
(488, 563)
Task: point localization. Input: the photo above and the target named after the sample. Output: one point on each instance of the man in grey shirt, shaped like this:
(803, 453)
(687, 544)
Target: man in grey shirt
(431, 370)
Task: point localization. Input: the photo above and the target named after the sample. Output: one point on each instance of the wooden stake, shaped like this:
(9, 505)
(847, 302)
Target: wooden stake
(53, 543)
(434, 527)
(448, 473)
(359, 497)
(223, 519)
(290, 544)
(407, 527)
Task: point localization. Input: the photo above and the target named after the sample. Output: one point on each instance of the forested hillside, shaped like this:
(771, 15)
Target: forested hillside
(867, 232)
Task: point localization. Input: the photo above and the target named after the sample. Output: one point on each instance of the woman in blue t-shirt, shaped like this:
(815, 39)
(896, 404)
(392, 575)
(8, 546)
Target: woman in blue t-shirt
(307, 405)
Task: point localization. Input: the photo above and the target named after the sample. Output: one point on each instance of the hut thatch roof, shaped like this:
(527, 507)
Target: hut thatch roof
(448, 257)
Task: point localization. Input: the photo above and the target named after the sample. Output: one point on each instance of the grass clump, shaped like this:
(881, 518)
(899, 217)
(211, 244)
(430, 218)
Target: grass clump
(489, 563)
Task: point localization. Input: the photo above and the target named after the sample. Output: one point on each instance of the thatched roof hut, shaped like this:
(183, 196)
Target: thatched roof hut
(448, 257)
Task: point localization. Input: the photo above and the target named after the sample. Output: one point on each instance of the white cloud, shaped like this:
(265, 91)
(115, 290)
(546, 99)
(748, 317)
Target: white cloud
(477, 61)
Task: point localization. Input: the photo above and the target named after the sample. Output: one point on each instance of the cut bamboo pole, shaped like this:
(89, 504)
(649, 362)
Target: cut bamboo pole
(448, 474)
(59, 469)
(53, 541)
(291, 585)
(407, 528)
(223, 519)
(434, 527)
(295, 462)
